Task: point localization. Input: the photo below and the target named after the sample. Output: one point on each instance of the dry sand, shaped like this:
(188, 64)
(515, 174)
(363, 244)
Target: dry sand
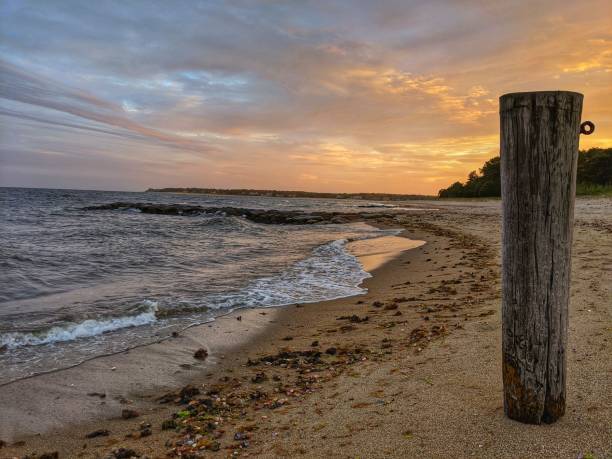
(420, 377)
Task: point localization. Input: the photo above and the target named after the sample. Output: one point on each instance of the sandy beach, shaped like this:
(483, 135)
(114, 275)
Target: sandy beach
(410, 369)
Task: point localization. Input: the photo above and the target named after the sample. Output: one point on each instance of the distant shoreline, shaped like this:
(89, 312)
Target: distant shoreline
(292, 194)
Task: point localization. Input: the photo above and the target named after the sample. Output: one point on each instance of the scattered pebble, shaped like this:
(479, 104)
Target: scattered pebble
(124, 453)
(129, 413)
(200, 354)
(98, 433)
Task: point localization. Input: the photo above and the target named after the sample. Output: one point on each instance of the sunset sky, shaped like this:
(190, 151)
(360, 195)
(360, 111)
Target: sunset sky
(385, 96)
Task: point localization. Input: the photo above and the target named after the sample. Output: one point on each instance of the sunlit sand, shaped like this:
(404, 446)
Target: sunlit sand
(373, 253)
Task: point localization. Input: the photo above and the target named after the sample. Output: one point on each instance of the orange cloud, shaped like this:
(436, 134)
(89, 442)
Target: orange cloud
(389, 97)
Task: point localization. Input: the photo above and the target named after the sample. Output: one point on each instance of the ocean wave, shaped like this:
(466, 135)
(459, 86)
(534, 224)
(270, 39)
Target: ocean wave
(329, 272)
(85, 329)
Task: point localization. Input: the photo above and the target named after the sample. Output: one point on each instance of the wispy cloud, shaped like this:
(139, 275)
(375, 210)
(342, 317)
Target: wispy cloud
(21, 86)
(329, 95)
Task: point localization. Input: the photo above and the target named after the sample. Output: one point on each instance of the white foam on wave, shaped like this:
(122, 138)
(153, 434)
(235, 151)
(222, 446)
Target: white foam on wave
(331, 272)
(85, 329)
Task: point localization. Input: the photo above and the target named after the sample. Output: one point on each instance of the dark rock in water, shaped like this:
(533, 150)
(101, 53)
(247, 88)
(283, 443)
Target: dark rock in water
(3, 348)
(288, 338)
(314, 344)
(129, 414)
(97, 394)
(272, 216)
(98, 433)
(175, 334)
(124, 453)
(331, 351)
(200, 354)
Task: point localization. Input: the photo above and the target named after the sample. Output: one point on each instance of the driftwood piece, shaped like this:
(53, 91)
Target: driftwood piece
(539, 153)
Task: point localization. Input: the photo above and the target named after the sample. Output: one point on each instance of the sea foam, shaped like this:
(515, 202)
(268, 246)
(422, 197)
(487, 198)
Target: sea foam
(85, 329)
(330, 272)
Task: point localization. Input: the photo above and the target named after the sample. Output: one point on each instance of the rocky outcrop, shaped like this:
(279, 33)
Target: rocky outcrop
(283, 217)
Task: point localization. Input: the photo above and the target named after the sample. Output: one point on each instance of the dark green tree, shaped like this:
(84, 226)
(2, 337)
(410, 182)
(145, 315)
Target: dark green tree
(485, 184)
(594, 168)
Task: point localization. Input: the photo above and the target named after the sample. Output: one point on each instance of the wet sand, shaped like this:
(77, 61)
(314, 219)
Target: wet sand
(410, 369)
(374, 253)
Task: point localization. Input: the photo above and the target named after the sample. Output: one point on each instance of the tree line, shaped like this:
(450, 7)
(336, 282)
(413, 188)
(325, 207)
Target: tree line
(292, 194)
(594, 174)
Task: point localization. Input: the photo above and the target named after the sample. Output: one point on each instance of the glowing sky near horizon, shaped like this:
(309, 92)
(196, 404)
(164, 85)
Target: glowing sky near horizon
(385, 96)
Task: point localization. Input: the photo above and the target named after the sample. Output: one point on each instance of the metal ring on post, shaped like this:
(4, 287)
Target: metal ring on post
(585, 125)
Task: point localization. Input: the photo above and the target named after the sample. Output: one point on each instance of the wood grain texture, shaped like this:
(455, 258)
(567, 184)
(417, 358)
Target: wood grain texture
(539, 153)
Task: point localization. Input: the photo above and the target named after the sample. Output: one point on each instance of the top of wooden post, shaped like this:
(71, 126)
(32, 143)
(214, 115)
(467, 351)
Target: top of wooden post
(564, 100)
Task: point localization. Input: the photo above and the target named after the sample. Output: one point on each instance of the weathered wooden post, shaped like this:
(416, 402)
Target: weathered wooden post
(539, 152)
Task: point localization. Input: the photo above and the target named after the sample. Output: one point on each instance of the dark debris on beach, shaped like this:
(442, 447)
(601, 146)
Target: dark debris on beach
(207, 415)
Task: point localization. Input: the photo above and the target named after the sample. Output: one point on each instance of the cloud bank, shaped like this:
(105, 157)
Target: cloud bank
(388, 96)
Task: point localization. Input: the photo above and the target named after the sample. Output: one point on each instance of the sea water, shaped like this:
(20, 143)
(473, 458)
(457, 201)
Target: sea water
(76, 284)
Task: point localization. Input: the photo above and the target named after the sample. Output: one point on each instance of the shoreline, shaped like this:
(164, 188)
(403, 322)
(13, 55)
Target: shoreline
(409, 369)
(211, 335)
(372, 253)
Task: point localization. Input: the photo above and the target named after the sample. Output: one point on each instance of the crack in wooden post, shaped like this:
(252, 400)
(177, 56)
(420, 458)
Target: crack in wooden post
(539, 154)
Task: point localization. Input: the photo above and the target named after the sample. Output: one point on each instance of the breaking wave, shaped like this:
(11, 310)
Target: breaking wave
(329, 273)
(85, 329)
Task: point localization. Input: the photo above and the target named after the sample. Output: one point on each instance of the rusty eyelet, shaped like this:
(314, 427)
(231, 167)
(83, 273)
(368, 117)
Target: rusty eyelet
(585, 125)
